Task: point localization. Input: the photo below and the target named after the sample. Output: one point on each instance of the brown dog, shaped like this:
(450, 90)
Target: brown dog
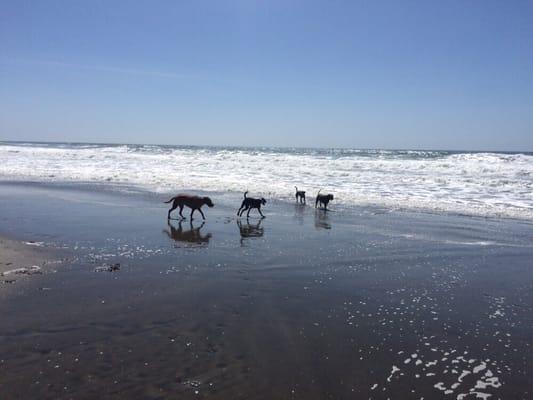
(193, 202)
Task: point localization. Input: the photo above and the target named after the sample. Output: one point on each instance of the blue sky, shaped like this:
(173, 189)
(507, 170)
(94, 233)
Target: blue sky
(378, 74)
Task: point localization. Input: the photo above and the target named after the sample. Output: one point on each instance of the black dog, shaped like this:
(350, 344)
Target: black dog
(300, 194)
(248, 203)
(323, 199)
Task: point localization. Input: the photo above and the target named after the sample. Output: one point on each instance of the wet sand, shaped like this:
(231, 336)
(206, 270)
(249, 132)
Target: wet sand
(20, 260)
(359, 303)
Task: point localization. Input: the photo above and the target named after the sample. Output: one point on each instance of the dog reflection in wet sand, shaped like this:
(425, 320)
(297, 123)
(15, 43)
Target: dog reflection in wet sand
(193, 235)
(248, 230)
(321, 220)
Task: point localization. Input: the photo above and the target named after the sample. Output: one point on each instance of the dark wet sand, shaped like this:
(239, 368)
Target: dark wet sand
(353, 304)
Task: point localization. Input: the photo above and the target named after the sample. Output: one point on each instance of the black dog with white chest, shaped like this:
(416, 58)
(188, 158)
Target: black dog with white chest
(248, 203)
(323, 199)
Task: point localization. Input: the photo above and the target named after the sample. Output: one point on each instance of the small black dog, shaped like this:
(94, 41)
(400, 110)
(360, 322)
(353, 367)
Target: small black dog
(248, 203)
(323, 199)
(300, 194)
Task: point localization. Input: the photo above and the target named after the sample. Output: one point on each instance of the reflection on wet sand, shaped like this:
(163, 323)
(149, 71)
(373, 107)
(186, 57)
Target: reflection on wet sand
(248, 230)
(322, 220)
(193, 235)
(299, 211)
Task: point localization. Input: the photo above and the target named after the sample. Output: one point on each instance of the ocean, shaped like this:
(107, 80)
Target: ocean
(489, 184)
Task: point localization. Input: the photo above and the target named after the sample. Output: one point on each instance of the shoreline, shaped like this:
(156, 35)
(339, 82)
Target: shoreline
(126, 189)
(481, 184)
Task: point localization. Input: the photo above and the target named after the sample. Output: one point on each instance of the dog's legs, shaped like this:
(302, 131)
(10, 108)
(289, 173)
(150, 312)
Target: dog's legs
(240, 208)
(248, 215)
(192, 212)
(172, 209)
(181, 209)
(259, 209)
(203, 216)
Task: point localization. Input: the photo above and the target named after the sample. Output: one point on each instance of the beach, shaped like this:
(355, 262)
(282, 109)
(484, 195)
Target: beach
(361, 180)
(359, 302)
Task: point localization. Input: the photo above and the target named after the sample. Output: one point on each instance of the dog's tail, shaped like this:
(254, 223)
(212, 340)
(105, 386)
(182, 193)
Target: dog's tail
(170, 200)
(296, 187)
(245, 193)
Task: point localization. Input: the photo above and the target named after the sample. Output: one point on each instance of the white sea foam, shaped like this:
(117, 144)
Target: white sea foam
(487, 184)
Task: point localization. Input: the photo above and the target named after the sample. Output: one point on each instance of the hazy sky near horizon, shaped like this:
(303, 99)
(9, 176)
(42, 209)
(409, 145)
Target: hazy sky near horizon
(365, 74)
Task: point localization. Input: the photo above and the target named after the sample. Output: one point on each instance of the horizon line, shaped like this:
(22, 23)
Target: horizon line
(266, 146)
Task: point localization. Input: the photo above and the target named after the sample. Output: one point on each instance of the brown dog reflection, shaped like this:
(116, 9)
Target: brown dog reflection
(248, 230)
(193, 235)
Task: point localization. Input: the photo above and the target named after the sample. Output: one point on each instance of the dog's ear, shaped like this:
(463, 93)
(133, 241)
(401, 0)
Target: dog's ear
(331, 196)
(263, 200)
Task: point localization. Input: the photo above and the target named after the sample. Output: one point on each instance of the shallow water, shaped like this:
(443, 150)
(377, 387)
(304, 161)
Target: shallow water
(471, 183)
(303, 304)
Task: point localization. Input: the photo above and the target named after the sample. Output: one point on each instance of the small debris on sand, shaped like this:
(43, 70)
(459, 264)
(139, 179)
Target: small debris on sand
(108, 268)
(23, 271)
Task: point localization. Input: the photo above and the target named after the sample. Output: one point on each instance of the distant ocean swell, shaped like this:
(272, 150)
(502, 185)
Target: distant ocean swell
(485, 184)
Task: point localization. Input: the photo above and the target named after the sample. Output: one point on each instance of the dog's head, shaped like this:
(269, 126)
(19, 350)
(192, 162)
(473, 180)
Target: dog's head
(208, 201)
(330, 197)
(263, 201)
